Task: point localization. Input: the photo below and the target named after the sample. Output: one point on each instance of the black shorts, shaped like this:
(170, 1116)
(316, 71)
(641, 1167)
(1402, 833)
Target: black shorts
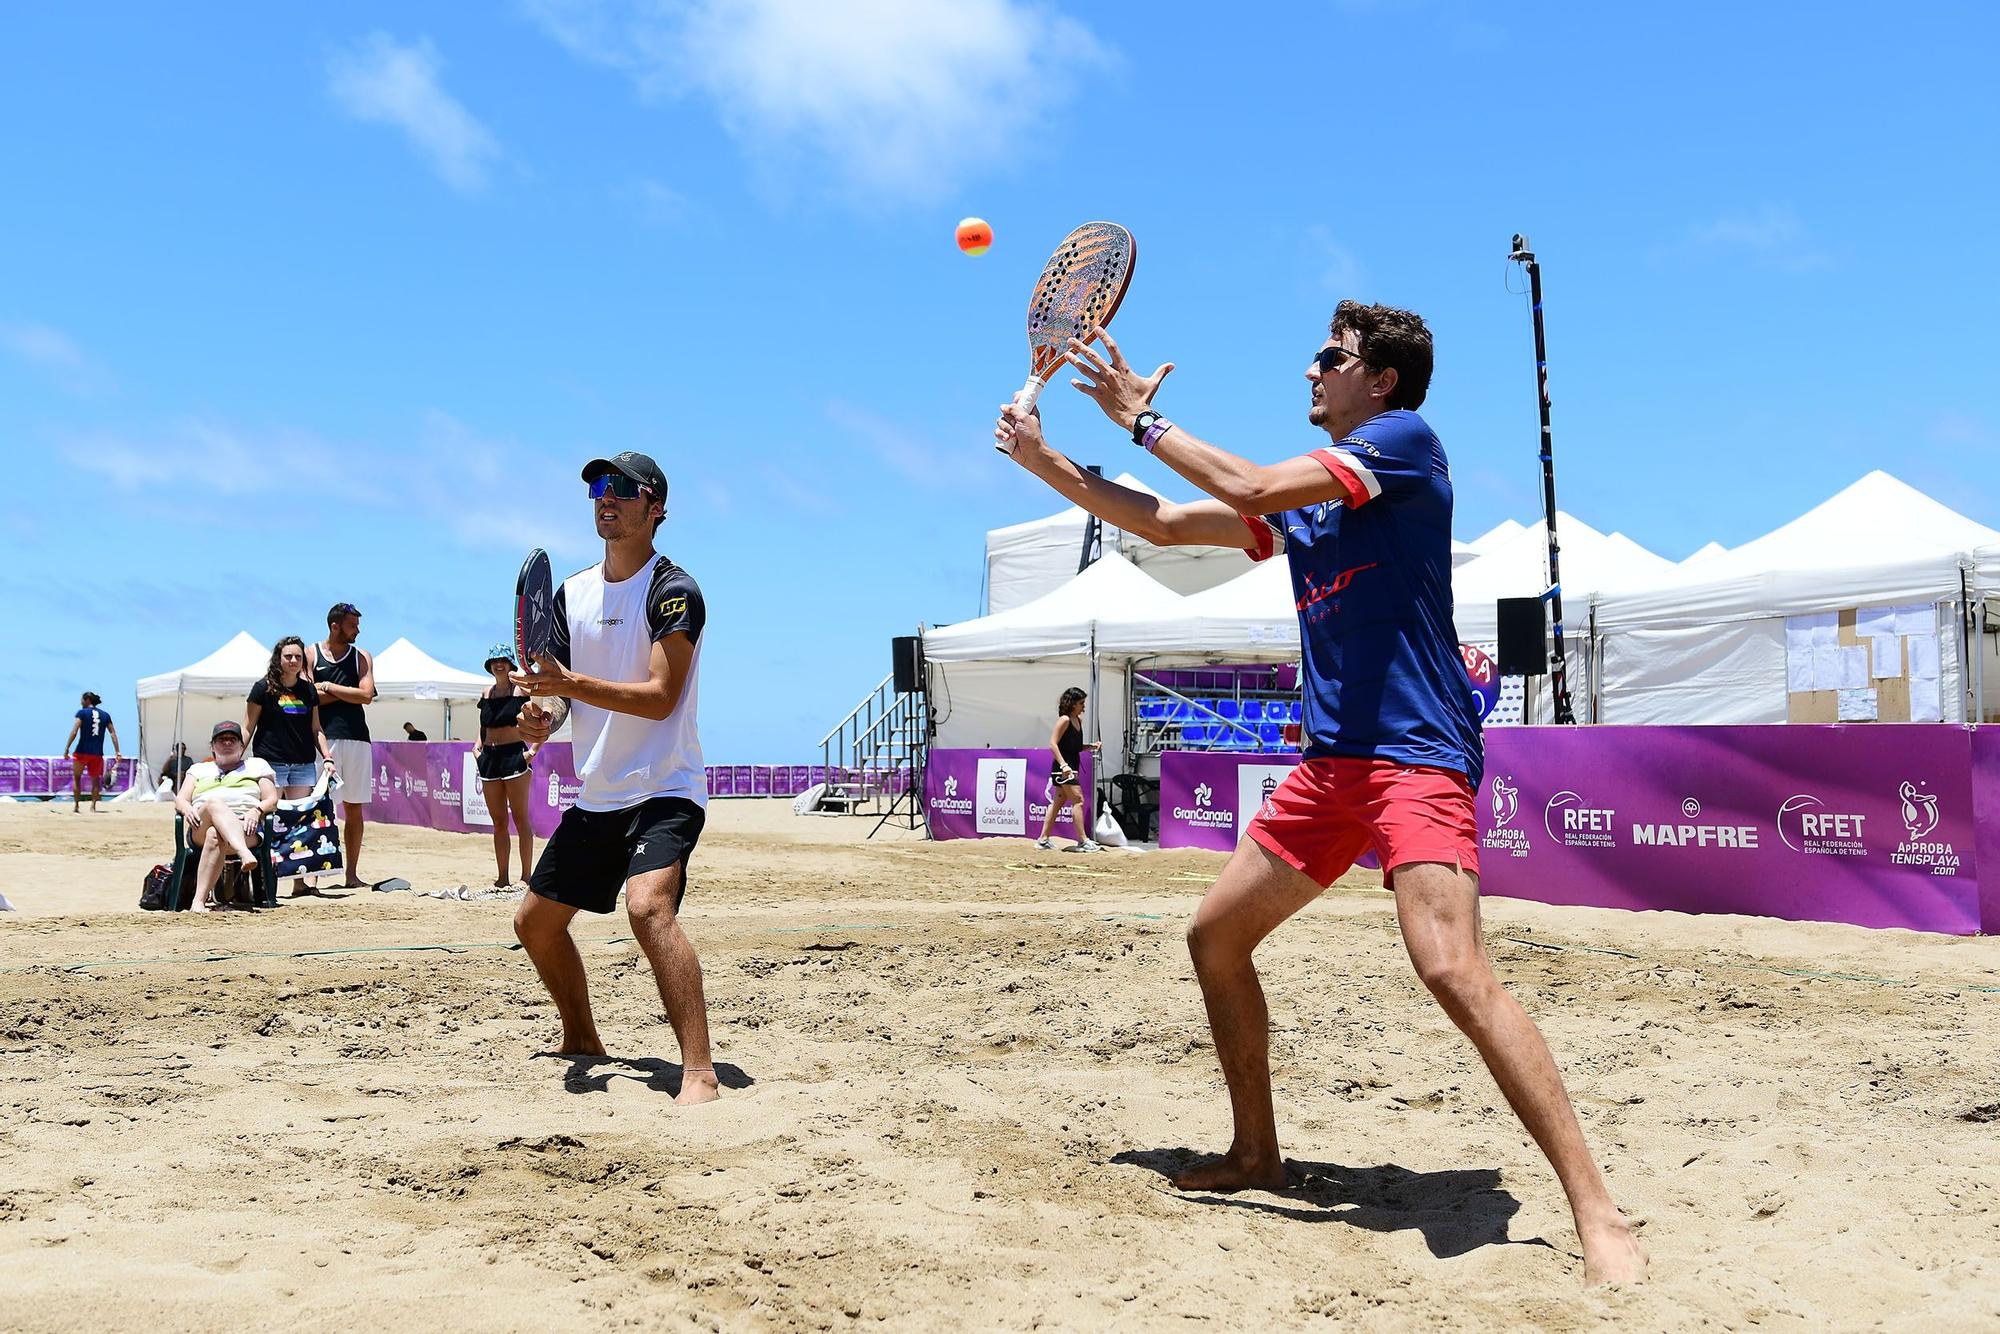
(593, 853)
(499, 763)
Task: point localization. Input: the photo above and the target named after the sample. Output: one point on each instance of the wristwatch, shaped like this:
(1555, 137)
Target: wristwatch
(1140, 423)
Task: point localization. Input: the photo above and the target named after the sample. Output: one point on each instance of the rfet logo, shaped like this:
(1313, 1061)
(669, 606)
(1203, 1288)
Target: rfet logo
(1573, 823)
(1806, 825)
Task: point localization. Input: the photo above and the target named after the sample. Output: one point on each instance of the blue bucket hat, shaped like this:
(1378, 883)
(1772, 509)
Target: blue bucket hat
(501, 653)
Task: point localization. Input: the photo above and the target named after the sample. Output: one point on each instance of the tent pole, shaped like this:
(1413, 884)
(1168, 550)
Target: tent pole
(1559, 669)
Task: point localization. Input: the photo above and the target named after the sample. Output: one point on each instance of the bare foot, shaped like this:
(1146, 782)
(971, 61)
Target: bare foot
(581, 1046)
(1234, 1171)
(698, 1084)
(199, 906)
(1611, 1254)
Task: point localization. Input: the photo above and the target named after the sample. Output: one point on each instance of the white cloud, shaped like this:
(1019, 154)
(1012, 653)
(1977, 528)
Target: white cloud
(922, 460)
(386, 83)
(55, 354)
(657, 202)
(900, 99)
(1771, 235)
(1339, 270)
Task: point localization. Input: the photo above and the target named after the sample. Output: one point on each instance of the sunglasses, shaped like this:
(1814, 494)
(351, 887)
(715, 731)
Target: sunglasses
(615, 484)
(1330, 358)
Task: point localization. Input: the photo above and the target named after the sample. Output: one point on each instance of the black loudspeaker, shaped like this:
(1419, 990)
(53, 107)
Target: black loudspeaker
(908, 653)
(1524, 637)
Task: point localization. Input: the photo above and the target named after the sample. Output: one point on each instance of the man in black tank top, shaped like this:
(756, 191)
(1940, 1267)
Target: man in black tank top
(345, 679)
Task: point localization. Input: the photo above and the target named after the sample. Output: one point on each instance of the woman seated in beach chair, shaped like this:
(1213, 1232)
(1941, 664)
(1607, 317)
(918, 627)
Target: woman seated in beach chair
(224, 800)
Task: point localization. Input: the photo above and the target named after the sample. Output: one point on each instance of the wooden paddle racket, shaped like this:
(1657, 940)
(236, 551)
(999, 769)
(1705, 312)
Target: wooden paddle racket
(534, 609)
(1079, 290)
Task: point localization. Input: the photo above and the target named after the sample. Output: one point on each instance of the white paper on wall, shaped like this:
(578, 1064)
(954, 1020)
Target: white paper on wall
(1888, 654)
(1926, 700)
(1924, 656)
(1798, 671)
(1853, 667)
(1916, 621)
(1857, 706)
(1826, 666)
(1875, 622)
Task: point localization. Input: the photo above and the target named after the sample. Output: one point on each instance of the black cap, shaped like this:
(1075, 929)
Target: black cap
(233, 729)
(638, 467)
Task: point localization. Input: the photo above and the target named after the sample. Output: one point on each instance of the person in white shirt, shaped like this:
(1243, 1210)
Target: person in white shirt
(622, 665)
(224, 800)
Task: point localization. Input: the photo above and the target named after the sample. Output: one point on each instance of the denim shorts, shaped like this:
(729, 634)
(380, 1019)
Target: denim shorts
(294, 775)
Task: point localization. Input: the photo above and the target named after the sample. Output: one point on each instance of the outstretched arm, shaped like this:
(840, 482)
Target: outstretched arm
(1200, 523)
(1248, 488)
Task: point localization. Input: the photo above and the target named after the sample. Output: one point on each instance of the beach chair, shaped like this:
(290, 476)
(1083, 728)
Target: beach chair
(180, 886)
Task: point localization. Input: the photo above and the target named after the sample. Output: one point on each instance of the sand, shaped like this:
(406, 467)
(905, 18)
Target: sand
(954, 1077)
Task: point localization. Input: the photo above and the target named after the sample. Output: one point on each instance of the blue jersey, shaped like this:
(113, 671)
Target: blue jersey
(1382, 673)
(90, 724)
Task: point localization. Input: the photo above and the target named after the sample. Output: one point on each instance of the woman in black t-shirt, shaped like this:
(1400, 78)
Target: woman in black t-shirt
(504, 761)
(281, 719)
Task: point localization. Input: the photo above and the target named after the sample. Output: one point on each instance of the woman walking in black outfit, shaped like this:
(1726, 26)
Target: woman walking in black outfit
(1066, 745)
(504, 760)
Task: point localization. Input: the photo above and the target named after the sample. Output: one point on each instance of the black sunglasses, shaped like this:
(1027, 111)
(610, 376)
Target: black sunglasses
(616, 484)
(1330, 358)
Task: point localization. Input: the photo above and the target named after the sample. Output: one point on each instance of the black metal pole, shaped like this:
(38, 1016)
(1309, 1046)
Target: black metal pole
(1559, 669)
(1093, 531)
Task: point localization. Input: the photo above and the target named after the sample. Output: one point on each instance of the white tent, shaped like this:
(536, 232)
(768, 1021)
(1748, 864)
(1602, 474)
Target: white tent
(994, 681)
(1492, 537)
(1705, 643)
(1026, 560)
(183, 705)
(1516, 565)
(412, 686)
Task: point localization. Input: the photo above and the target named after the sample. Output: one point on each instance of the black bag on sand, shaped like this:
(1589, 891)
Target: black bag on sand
(153, 892)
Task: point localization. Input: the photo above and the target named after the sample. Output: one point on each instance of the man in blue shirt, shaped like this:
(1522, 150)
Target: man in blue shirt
(1392, 750)
(87, 735)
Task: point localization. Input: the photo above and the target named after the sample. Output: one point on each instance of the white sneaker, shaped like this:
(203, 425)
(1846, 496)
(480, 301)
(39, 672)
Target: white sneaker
(1088, 845)
(1044, 844)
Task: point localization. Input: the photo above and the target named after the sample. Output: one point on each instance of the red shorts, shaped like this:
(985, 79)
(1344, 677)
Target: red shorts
(89, 764)
(1328, 812)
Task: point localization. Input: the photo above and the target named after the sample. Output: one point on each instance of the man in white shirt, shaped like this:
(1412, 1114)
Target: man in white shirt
(224, 800)
(622, 665)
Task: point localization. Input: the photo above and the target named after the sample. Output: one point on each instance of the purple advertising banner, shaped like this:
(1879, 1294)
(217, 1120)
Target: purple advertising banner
(435, 784)
(35, 774)
(1207, 797)
(50, 775)
(1882, 825)
(10, 775)
(1986, 822)
(724, 782)
(992, 793)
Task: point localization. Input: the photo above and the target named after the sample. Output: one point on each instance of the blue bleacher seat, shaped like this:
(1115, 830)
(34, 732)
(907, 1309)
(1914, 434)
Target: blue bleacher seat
(1194, 734)
(1295, 711)
(1152, 710)
(1229, 708)
(1179, 711)
(1253, 710)
(1271, 735)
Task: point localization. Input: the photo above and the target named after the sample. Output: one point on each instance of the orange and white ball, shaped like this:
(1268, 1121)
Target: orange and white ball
(975, 237)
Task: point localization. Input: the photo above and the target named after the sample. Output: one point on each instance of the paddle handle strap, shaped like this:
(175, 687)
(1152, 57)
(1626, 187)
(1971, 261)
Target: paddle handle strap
(1024, 400)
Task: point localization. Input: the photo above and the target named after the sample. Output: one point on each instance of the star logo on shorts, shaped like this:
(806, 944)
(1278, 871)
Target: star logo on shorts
(641, 848)
(1203, 794)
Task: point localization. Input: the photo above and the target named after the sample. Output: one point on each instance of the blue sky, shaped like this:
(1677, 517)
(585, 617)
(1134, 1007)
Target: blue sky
(300, 305)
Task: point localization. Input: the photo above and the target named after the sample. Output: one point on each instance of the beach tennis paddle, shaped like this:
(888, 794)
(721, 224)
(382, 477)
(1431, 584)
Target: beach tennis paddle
(1079, 290)
(534, 609)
